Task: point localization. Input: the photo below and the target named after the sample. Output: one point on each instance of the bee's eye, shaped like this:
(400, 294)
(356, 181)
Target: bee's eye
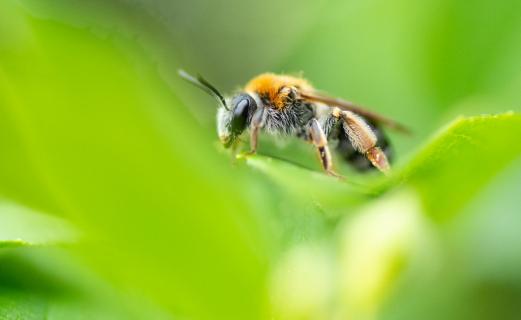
(242, 104)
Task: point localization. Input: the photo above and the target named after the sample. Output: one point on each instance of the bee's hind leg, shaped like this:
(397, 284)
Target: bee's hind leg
(363, 139)
(319, 140)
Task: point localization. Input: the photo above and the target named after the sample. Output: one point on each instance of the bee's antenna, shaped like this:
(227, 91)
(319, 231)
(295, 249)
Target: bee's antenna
(200, 82)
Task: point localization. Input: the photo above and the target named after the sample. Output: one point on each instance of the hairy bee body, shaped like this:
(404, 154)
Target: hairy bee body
(289, 106)
(288, 115)
(285, 114)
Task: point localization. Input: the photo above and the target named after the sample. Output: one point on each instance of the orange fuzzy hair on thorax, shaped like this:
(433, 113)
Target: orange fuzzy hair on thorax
(268, 86)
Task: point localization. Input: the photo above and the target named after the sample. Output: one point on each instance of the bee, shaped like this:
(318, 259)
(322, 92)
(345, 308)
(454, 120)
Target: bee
(290, 106)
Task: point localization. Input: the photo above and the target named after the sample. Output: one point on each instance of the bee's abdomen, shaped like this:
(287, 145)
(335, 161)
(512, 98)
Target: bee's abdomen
(356, 159)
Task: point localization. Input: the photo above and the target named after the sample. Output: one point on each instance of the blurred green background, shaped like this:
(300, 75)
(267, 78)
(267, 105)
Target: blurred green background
(117, 202)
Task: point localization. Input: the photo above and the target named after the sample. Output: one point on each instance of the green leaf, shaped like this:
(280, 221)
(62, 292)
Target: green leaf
(315, 186)
(44, 283)
(16, 305)
(462, 159)
(26, 227)
(448, 171)
(114, 148)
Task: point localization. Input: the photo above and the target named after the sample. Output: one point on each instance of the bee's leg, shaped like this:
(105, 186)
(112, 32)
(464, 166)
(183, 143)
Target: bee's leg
(257, 122)
(319, 140)
(363, 139)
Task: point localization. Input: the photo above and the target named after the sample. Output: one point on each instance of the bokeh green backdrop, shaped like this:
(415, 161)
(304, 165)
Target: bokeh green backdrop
(97, 129)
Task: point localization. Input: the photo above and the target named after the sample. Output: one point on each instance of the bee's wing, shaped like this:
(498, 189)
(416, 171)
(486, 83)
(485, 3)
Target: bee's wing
(347, 105)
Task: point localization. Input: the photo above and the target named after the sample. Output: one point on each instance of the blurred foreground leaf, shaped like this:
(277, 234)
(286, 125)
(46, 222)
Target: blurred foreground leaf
(48, 283)
(26, 305)
(20, 305)
(108, 140)
(22, 226)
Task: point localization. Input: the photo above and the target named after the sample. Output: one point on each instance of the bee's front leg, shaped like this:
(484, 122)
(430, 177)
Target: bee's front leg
(257, 122)
(319, 140)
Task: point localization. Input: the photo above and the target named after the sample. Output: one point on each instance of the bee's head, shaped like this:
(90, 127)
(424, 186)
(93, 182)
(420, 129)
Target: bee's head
(232, 122)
